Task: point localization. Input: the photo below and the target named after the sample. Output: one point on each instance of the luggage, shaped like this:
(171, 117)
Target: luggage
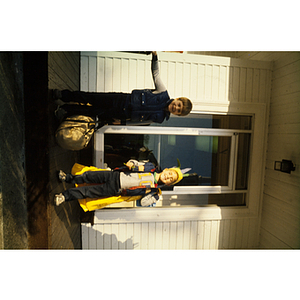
(75, 132)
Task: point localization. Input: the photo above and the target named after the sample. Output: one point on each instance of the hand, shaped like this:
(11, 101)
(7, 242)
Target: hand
(141, 168)
(116, 122)
(129, 165)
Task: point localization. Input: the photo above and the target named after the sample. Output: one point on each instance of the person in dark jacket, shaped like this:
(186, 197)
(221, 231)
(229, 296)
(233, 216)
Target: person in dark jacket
(140, 107)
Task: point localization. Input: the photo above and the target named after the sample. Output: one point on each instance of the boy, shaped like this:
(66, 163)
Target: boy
(140, 107)
(140, 179)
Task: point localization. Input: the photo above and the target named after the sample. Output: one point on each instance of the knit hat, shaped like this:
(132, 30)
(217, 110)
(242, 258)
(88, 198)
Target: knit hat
(179, 171)
(179, 174)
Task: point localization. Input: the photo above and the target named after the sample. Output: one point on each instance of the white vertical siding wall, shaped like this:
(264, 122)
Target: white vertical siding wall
(115, 72)
(175, 235)
(212, 83)
(281, 204)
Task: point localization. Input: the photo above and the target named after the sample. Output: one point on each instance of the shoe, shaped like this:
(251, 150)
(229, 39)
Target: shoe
(56, 94)
(62, 175)
(59, 199)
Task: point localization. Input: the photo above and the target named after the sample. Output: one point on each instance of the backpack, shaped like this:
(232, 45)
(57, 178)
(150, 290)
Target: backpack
(75, 132)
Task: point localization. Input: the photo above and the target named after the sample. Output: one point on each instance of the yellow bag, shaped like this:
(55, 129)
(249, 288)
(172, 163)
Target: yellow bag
(89, 204)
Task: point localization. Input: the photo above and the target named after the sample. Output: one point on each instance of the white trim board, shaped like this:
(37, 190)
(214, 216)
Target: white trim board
(185, 57)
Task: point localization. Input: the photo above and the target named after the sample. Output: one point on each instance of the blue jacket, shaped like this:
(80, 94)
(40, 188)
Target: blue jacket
(147, 107)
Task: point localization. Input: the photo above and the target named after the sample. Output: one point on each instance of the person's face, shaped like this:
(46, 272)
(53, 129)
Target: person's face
(168, 176)
(175, 107)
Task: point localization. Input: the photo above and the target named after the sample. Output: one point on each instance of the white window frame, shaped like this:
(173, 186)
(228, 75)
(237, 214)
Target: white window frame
(255, 178)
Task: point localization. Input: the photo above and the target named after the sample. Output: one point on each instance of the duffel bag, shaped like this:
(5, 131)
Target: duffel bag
(75, 132)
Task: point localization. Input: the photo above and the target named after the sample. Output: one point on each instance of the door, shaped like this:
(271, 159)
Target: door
(215, 147)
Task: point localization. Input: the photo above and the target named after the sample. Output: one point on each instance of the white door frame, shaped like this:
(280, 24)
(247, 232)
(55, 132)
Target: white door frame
(160, 214)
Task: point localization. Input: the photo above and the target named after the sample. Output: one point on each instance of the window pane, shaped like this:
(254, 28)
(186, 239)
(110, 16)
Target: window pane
(243, 161)
(209, 121)
(119, 148)
(208, 156)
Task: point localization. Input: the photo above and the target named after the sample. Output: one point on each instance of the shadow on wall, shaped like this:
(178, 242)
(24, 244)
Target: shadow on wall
(95, 239)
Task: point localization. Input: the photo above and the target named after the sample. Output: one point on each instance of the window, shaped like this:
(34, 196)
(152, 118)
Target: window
(216, 147)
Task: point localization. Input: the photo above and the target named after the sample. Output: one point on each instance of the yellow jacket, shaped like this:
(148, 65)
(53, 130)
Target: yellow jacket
(89, 204)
